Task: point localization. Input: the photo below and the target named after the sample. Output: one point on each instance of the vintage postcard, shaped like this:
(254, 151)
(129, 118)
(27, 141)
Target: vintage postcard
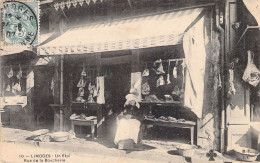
(118, 81)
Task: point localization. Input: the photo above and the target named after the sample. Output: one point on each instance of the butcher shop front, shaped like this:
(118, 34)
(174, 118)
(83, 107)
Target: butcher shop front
(151, 61)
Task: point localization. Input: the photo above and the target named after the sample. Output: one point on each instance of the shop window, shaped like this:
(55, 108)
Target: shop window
(81, 79)
(163, 74)
(163, 80)
(13, 81)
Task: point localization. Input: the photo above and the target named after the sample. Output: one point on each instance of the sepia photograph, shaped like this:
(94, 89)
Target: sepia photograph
(129, 81)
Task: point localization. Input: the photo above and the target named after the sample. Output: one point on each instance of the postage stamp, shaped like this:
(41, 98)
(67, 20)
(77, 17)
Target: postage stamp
(20, 22)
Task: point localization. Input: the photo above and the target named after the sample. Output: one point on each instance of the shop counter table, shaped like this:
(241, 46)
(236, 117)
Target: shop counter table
(95, 110)
(187, 124)
(91, 123)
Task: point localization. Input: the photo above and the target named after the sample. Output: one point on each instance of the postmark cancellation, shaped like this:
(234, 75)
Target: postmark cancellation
(20, 22)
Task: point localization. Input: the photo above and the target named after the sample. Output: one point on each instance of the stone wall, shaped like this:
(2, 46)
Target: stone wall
(208, 128)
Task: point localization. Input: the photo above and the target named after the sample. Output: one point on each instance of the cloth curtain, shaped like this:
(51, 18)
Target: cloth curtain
(195, 59)
(101, 90)
(254, 8)
(136, 81)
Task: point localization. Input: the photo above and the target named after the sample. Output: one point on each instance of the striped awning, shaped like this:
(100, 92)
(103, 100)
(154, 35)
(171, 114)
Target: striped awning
(15, 49)
(142, 32)
(8, 50)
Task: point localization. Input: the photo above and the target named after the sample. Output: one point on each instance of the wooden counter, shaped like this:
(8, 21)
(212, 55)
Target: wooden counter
(90, 109)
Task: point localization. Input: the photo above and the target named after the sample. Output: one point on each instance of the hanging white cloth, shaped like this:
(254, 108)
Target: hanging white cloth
(174, 72)
(127, 129)
(136, 82)
(52, 86)
(101, 90)
(254, 8)
(195, 59)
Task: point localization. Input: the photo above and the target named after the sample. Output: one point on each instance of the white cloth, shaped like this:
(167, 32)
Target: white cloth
(136, 81)
(195, 59)
(254, 8)
(174, 72)
(52, 86)
(127, 129)
(101, 90)
(13, 100)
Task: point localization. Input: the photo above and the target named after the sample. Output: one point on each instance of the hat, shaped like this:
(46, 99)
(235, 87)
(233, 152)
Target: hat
(131, 97)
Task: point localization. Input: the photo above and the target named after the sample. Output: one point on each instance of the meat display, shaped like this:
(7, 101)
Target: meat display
(251, 73)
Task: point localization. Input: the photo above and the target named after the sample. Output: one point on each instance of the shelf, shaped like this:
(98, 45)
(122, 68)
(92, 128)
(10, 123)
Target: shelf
(170, 124)
(172, 103)
(248, 27)
(83, 106)
(57, 105)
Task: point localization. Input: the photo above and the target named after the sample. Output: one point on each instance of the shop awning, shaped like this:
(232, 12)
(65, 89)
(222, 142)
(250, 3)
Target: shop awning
(254, 8)
(142, 32)
(15, 49)
(8, 50)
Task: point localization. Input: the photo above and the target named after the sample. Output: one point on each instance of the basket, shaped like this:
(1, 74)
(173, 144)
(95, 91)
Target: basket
(60, 136)
(246, 154)
(186, 150)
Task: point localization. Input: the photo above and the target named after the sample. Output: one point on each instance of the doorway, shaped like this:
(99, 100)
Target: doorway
(43, 97)
(117, 86)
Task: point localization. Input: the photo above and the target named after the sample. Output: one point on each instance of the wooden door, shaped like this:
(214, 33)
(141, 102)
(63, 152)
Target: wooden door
(238, 106)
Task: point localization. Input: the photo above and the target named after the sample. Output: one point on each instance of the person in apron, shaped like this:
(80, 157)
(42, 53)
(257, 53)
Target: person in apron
(128, 121)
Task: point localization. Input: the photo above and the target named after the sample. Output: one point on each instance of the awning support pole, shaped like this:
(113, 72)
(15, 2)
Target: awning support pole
(61, 91)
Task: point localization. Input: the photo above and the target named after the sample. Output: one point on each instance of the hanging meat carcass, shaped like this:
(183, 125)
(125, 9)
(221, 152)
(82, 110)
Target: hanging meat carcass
(251, 73)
